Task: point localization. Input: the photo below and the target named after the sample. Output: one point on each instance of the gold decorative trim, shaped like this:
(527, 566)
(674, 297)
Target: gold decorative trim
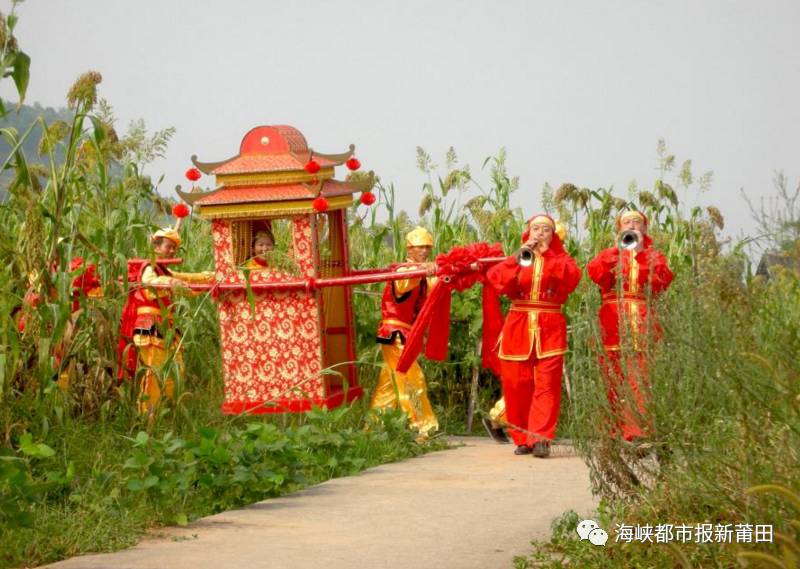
(537, 310)
(636, 328)
(536, 304)
(613, 298)
(633, 276)
(540, 354)
(532, 329)
(270, 209)
(506, 358)
(393, 322)
(148, 310)
(274, 178)
(536, 283)
(534, 339)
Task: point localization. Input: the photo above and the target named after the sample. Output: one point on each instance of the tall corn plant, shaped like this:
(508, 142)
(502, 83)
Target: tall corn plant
(98, 203)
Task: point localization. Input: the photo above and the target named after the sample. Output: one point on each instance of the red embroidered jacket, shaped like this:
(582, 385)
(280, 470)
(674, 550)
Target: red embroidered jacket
(642, 273)
(537, 293)
(402, 300)
(142, 311)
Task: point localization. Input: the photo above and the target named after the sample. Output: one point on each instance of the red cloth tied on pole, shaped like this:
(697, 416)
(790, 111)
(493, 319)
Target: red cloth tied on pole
(455, 272)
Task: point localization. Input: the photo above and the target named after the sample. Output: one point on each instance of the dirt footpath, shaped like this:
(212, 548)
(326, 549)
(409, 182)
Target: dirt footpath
(476, 506)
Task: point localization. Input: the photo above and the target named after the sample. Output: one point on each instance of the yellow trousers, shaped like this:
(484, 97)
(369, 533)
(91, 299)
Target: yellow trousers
(408, 391)
(152, 355)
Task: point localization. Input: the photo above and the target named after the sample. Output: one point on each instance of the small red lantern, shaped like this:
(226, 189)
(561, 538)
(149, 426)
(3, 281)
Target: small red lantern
(312, 167)
(353, 164)
(193, 174)
(320, 204)
(180, 210)
(368, 198)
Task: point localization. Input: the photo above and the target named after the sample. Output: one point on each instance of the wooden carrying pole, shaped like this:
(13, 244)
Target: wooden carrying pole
(359, 277)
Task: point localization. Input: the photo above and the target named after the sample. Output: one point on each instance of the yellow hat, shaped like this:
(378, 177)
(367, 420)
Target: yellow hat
(170, 234)
(419, 237)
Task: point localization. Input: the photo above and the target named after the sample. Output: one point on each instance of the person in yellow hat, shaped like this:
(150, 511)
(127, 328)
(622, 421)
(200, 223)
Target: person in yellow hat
(144, 328)
(400, 305)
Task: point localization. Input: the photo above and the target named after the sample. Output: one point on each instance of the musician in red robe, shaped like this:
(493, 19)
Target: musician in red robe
(629, 277)
(534, 337)
(143, 327)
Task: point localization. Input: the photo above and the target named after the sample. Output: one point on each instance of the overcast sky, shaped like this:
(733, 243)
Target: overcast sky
(575, 91)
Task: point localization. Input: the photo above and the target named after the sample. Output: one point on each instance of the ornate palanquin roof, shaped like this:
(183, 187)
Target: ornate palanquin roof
(270, 170)
(279, 148)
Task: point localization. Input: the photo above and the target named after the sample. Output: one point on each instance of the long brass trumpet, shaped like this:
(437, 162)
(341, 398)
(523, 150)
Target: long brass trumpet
(628, 240)
(525, 256)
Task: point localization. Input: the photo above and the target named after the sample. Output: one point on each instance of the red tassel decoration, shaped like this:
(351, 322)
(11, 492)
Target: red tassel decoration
(454, 270)
(368, 198)
(320, 205)
(180, 210)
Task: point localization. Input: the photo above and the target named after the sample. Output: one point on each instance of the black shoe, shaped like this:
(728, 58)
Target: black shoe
(541, 449)
(523, 449)
(496, 433)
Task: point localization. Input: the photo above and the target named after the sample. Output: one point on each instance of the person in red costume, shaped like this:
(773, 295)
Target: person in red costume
(401, 304)
(143, 327)
(628, 276)
(534, 337)
(86, 285)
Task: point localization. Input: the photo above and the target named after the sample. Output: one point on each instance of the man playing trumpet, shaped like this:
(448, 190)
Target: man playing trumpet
(538, 279)
(629, 275)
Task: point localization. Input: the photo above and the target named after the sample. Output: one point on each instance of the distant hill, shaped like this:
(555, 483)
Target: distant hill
(22, 120)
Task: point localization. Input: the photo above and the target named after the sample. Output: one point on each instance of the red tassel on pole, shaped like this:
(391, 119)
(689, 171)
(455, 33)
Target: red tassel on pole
(454, 272)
